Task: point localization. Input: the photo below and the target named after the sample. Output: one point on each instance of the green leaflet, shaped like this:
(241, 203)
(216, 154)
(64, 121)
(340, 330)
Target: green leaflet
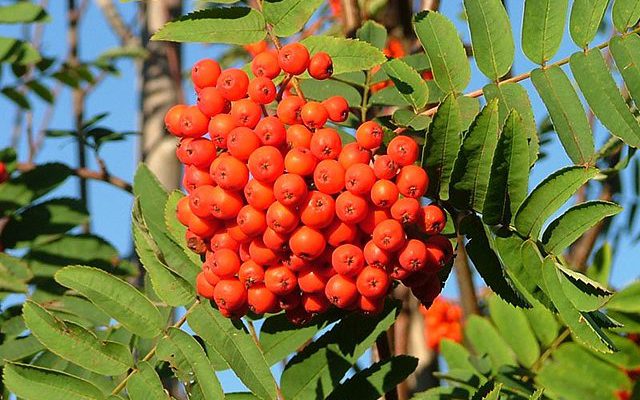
(566, 112)
(486, 340)
(626, 300)
(76, 344)
(18, 52)
(174, 228)
(542, 28)
(441, 146)
(31, 185)
(548, 196)
(568, 227)
(36, 383)
(456, 355)
(235, 346)
(348, 55)
(625, 14)
(14, 274)
(373, 33)
(513, 326)
(150, 192)
(43, 222)
(46, 259)
(626, 53)
(19, 348)
(543, 323)
(407, 118)
(117, 298)
(601, 92)
(288, 16)
(449, 63)
(234, 25)
(481, 250)
(576, 374)
(586, 16)
(581, 324)
(470, 177)
(513, 96)
(22, 13)
(321, 90)
(508, 183)
(408, 82)
(188, 359)
(600, 268)
(376, 380)
(491, 37)
(145, 384)
(585, 294)
(279, 338)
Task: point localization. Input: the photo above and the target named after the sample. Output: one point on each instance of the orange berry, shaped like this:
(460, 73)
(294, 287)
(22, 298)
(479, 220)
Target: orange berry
(329, 176)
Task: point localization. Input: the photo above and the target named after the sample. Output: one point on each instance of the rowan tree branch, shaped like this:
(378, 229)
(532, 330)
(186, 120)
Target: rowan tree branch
(85, 173)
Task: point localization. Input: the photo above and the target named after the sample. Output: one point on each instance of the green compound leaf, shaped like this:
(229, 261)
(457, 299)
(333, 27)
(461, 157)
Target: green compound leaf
(449, 63)
(491, 37)
(348, 55)
(289, 16)
(543, 28)
(408, 82)
(548, 196)
(117, 298)
(188, 359)
(376, 380)
(233, 25)
(36, 383)
(441, 147)
(601, 92)
(568, 227)
(235, 346)
(75, 343)
(471, 171)
(586, 16)
(566, 112)
(509, 178)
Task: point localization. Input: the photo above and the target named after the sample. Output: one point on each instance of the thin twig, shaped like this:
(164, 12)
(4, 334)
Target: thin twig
(86, 173)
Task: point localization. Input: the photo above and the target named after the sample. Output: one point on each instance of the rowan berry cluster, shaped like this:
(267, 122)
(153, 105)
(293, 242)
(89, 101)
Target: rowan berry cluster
(4, 173)
(443, 320)
(286, 215)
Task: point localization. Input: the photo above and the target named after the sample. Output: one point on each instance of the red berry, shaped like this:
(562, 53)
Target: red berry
(293, 58)
(321, 66)
(233, 84)
(205, 73)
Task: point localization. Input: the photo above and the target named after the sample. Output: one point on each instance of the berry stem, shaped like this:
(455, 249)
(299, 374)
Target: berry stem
(294, 80)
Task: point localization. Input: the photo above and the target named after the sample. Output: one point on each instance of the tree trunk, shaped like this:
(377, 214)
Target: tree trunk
(160, 89)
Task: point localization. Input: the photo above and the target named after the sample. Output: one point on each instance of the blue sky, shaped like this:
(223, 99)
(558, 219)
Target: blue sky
(118, 96)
